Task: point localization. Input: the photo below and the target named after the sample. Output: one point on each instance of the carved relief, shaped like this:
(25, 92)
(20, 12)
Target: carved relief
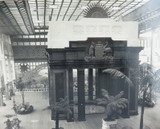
(96, 11)
(99, 51)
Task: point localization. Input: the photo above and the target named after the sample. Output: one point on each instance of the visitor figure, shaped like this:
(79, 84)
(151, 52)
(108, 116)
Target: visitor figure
(8, 124)
(92, 49)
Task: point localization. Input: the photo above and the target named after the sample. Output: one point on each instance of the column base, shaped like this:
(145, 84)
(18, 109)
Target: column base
(81, 119)
(59, 128)
(108, 124)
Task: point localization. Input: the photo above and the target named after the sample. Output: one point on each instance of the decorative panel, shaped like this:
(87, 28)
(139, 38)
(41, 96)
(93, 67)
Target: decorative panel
(29, 52)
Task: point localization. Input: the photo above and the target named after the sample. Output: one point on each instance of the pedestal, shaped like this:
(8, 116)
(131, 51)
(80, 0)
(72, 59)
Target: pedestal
(108, 124)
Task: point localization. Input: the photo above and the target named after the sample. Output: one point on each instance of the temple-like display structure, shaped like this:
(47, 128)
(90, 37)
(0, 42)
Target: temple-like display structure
(98, 54)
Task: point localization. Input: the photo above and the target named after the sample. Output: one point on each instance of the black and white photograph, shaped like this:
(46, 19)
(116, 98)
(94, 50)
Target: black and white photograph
(79, 64)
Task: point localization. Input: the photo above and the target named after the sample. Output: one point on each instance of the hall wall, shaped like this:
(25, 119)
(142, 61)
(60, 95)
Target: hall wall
(6, 62)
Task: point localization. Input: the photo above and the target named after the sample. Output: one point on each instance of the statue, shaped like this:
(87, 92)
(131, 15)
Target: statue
(107, 49)
(92, 49)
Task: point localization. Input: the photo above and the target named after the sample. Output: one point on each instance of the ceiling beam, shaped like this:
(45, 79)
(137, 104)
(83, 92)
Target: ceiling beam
(50, 18)
(106, 3)
(24, 11)
(67, 10)
(119, 5)
(129, 8)
(41, 33)
(87, 5)
(9, 19)
(45, 12)
(111, 5)
(41, 28)
(60, 10)
(83, 10)
(149, 24)
(28, 40)
(36, 33)
(122, 8)
(74, 10)
(27, 7)
(37, 11)
(143, 10)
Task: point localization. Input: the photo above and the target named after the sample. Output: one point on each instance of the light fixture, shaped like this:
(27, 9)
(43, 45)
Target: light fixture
(53, 6)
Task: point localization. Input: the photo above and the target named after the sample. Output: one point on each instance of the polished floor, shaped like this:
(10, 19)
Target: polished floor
(41, 118)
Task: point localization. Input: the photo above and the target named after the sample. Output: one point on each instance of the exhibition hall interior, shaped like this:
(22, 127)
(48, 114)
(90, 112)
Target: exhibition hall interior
(79, 64)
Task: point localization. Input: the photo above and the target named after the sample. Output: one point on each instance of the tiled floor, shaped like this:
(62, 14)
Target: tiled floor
(40, 118)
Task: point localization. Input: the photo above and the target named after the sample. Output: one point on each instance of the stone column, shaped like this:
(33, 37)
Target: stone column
(1, 98)
(90, 84)
(126, 90)
(134, 90)
(70, 117)
(52, 90)
(81, 95)
(52, 87)
(98, 83)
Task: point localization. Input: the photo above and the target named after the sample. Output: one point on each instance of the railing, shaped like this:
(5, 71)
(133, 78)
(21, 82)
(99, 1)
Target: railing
(33, 90)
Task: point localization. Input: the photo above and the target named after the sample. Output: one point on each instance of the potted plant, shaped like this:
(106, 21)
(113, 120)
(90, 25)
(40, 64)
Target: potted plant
(146, 81)
(62, 106)
(114, 106)
(23, 108)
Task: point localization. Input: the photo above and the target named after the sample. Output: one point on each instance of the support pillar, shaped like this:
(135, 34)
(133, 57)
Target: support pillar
(52, 87)
(81, 95)
(1, 96)
(98, 83)
(90, 84)
(70, 117)
(52, 93)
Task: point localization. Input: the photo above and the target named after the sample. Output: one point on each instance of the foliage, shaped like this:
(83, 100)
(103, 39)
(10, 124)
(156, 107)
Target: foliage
(12, 124)
(2, 90)
(34, 77)
(148, 80)
(114, 105)
(62, 106)
(147, 102)
(118, 74)
(23, 108)
(8, 124)
(20, 84)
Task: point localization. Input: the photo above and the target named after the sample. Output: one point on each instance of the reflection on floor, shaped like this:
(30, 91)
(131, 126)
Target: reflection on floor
(41, 119)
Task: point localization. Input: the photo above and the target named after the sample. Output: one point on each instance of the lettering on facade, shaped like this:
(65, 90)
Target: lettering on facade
(96, 29)
(99, 51)
(116, 30)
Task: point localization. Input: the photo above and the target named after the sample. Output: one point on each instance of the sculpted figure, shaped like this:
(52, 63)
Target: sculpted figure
(107, 49)
(92, 49)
